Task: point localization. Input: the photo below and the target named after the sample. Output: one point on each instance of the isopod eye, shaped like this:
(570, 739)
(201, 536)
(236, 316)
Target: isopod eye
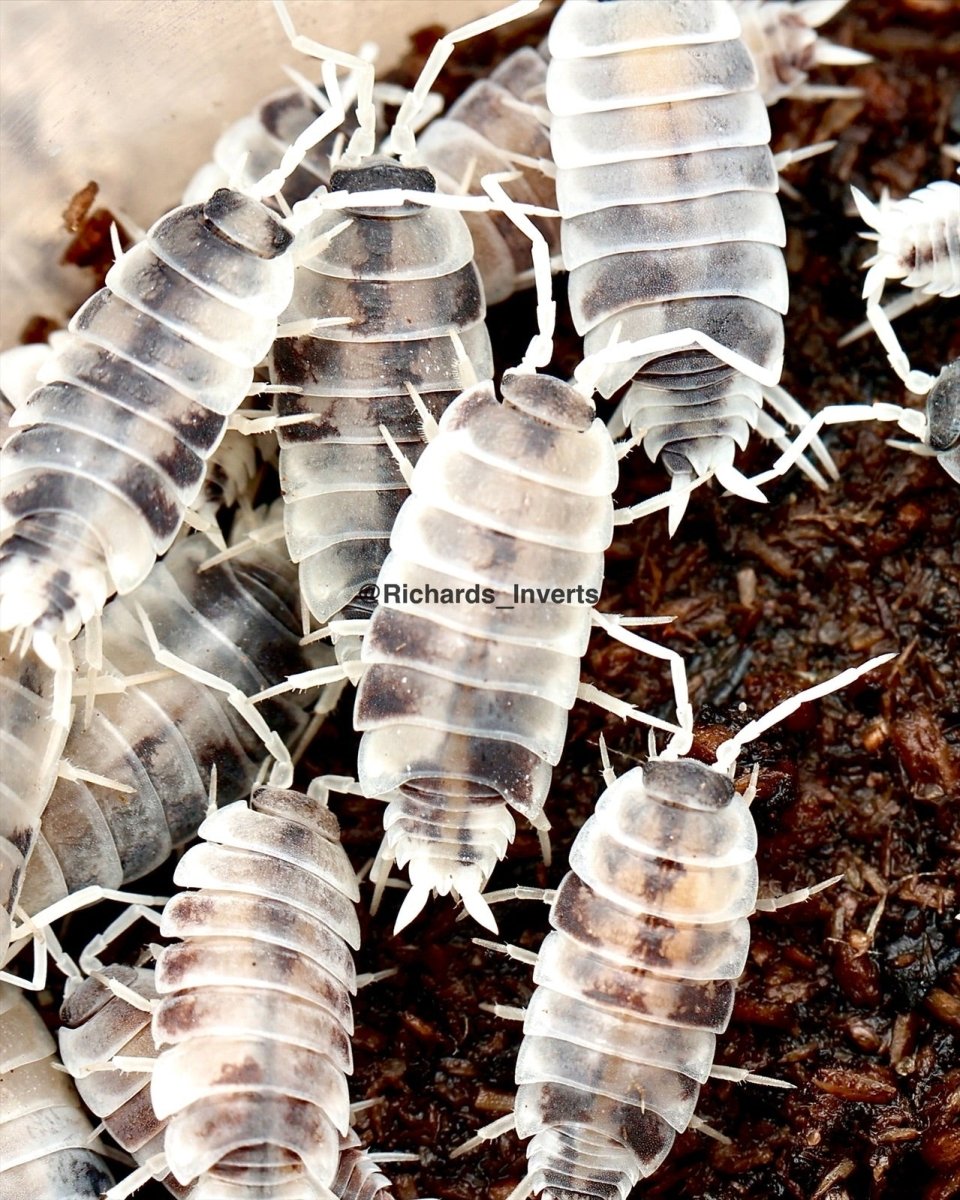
(688, 784)
(943, 409)
(246, 223)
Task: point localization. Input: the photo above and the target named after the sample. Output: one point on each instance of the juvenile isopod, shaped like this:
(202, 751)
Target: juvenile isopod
(918, 243)
(671, 228)
(782, 37)
(637, 977)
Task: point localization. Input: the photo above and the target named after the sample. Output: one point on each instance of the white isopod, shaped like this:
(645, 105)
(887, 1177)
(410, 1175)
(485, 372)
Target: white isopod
(392, 268)
(104, 1029)
(255, 1001)
(918, 243)
(47, 1146)
(782, 37)
(496, 125)
(636, 980)
(137, 773)
(112, 449)
(672, 231)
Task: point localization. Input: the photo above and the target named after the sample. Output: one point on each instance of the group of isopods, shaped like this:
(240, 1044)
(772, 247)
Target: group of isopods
(322, 295)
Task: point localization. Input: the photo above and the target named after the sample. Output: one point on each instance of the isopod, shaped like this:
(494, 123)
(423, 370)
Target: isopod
(112, 449)
(671, 228)
(492, 127)
(637, 977)
(47, 1146)
(918, 243)
(138, 773)
(255, 1006)
(400, 278)
(782, 38)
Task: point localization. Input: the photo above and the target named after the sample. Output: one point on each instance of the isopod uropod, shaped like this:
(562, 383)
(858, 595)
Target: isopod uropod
(918, 243)
(782, 37)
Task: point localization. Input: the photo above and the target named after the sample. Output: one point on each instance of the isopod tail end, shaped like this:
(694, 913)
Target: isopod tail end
(411, 907)
(479, 909)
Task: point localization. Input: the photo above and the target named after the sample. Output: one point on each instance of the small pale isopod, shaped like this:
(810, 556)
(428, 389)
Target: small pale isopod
(782, 37)
(464, 704)
(403, 276)
(671, 230)
(111, 450)
(918, 243)
(636, 980)
(47, 1146)
(255, 999)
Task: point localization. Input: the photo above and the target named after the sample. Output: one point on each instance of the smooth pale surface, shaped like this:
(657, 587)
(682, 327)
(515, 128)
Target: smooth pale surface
(133, 94)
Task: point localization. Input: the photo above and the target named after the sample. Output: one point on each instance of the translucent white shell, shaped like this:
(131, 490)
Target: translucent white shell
(464, 700)
(405, 279)
(47, 1147)
(255, 1005)
(667, 190)
(636, 979)
(112, 449)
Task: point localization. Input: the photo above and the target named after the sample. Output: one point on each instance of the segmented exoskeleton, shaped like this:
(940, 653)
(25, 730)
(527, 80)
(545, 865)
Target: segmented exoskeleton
(781, 35)
(30, 746)
(100, 1026)
(671, 230)
(918, 243)
(637, 978)
(255, 1002)
(464, 700)
(404, 276)
(111, 450)
(493, 122)
(158, 740)
(47, 1147)
(96, 1025)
